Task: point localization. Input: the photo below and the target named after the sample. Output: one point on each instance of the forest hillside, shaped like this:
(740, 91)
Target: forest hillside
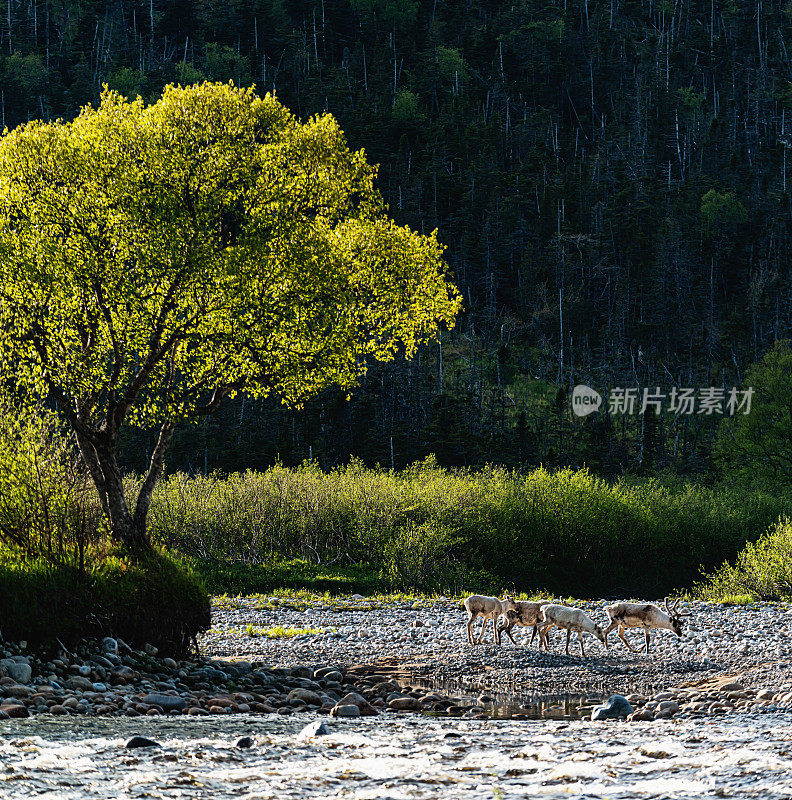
(609, 178)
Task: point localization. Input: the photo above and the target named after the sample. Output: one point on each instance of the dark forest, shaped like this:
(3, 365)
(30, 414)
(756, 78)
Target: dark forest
(609, 178)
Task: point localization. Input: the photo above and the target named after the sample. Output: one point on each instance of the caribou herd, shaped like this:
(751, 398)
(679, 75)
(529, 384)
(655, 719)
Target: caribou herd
(543, 615)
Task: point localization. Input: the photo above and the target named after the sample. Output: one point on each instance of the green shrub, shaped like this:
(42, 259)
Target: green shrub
(762, 569)
(432, 529)
(47, 507)
(141, 598)
(60, 578)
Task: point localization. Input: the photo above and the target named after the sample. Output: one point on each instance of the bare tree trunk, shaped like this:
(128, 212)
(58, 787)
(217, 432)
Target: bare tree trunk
(91, 460)
(154, 471)
(122, 528)
(100, 459)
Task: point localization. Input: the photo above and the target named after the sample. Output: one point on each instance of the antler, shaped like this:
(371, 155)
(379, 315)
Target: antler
(672, 611)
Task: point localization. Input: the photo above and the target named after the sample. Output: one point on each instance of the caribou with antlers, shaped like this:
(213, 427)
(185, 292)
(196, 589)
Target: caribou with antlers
(643, 615)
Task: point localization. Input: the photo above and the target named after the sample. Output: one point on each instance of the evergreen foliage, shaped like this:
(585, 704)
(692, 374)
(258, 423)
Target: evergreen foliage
(610, 180)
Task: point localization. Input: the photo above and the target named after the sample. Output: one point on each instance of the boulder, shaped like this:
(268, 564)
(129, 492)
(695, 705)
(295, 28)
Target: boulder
(483, 700)
(363, 705)
(16, 690)
(615, 707)
(302, 672)
(167, 702)
(110, 645)
(244, 742)
(309, 697)
(317, 728)
(670, 706)
(141, 741)
(15, 711)
(80, 683)
(18, 670)
(405, 704)
(322, 672)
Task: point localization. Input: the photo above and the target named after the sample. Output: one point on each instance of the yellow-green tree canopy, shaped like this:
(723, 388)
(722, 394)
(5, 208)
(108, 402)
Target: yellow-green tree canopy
(156, 259)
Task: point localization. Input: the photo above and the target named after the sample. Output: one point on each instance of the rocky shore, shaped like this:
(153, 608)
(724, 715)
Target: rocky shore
(358, 657)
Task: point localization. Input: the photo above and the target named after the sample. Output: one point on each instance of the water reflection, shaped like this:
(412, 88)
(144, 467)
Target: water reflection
(502, 705)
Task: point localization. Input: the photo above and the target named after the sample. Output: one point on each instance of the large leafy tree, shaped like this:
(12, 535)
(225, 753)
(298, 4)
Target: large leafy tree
(157, 259)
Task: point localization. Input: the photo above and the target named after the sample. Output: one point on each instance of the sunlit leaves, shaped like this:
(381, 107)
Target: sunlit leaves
(154, 256)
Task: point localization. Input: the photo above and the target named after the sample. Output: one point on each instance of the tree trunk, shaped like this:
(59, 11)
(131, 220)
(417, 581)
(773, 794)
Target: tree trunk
(152, 476)
(124, 529)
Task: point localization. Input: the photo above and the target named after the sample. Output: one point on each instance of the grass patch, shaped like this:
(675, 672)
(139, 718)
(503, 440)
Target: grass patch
(736, 600)
(279, 574)
(279, 632)
(303, 599)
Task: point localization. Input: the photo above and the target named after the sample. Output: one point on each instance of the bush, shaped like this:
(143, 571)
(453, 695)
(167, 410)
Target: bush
(432, 529)
(763, 569)
(753, 449)
(60, 578)
(47, 507)
(141, 598)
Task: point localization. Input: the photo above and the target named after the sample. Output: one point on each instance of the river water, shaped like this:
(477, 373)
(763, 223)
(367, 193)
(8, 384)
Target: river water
(396, 758)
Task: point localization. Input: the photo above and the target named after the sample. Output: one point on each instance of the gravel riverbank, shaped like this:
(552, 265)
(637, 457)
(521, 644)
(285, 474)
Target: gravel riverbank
(360, 657)
(331, 712)
(748, 644)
